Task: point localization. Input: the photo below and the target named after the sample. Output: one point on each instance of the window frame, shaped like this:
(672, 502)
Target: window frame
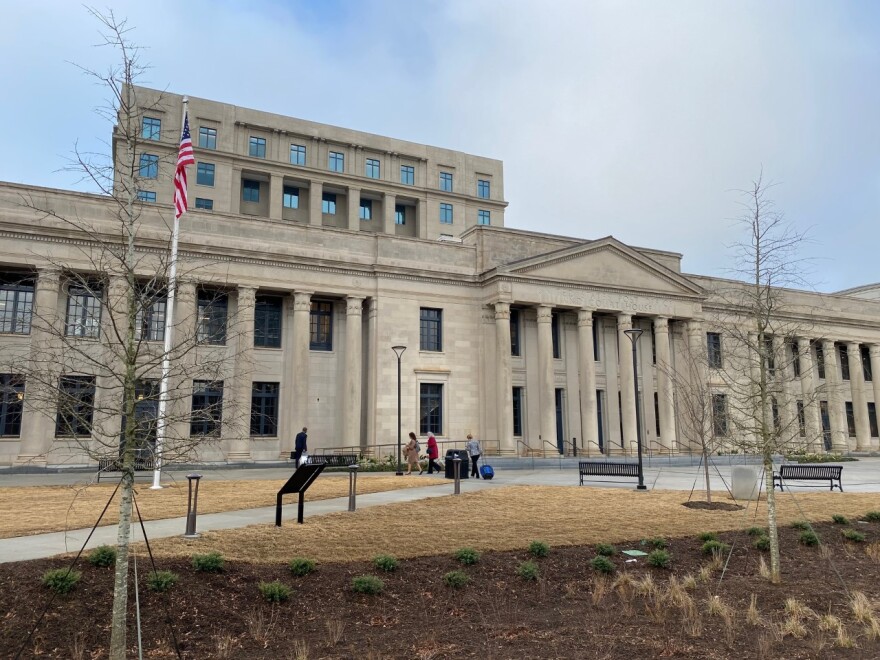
(12, 394)
(150, 317)
(84, 310)
(336, 161)
(408, 175)
(264, 409)
(431, 419)
(720, 417)
(446, 213)
(446, 181)
(257, 147)
(297, 150)
(207, 138)
(148, 166)
(290, 197)
(321, 325)
(146, 196)
(518, 400)
(484, 218)
(18, 304)
(714, 350)
(481, 185)
(400, 215)
(250, 191)
(515, 338)
(373, 168)
(365, 211)
(155, 128)
(268, 321)
(206, 412)
(328, 203)
(212, 316)
(431, 329)
(843, 358)
(204, 204)
(75, 410)
(205, 174)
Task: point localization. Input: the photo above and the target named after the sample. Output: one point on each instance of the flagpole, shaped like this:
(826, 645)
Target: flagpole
(169, 339)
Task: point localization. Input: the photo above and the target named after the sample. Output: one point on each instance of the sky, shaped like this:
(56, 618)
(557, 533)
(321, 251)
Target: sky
(637, 119)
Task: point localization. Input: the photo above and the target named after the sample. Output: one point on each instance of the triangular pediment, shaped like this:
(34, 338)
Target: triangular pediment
(605, 262)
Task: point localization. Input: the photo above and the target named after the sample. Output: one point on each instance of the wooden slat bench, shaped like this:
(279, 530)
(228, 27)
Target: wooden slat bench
(141, 464)
(798, 472)
(331, 460)
(607, 469)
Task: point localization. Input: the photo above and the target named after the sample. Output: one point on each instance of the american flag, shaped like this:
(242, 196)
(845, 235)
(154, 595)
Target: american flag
(184, 157)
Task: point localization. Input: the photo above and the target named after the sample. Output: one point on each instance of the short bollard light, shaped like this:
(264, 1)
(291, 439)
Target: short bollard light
(192, 506)
(352, 486)
(456, 462)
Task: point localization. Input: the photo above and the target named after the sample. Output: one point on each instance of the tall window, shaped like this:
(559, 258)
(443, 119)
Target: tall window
(446, 181)
(146, 196)
(149, 166)
(213, 306)
(207, 408)
(826, 424)
(207, 137)
(482, 189)
(657, 414)
(653, 347)
(872, 418)
(151, 128)
(843, 353)
(291, 197)
(336, 161)
(321, 326)
(713, 342)
(820, 360)
(146, 415)
(597, 328)
(774, 409)
(76, 402)
(554, 332)
(484, 218)
(328, 203)
(264, 409)
(399, 214)
(802, 419)
(866, 362)
(719, 415)
(518, 411)
(204, 204)
(430, 408)
(407, 174)
(84, 310)
(372, 168)
(267, 322)
(430, 329)
(297, 154)
(16, 303)
(850, 419)
(514, 332)
(769, 355)
(205, 174)
(257, 147)
(150, 320)
(446, 214)
(366, 210)
(11, 404)
(250, 190)
(795, 357)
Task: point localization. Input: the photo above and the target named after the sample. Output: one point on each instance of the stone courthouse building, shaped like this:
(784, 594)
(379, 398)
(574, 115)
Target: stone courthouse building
(336, 245)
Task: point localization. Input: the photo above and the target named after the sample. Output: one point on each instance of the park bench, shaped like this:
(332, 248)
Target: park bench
(607, 469)
(143, 463)
(331, 460)
(797, 472)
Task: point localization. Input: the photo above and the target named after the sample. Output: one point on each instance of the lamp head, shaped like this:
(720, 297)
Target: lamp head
(398, 350)
(633, 334)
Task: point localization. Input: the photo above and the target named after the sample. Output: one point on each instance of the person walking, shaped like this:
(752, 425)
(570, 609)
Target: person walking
(412, 454)
(474, 451)
(300, 446)
(433, 454)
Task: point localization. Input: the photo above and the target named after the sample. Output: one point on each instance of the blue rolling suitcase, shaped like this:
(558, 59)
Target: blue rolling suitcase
(487, 472)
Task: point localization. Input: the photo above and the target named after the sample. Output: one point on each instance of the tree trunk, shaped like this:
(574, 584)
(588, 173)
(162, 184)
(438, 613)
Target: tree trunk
(775, 575)
(120, 584)
(706, 470)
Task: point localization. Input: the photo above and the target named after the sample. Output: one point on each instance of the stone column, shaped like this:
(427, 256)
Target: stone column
(276, 196)
(587, 382)
(812, 415)
(38, 423)
(859, 400)
(784, 400)
(837, 418)
(302, 306)
(242, 387)
(698, 354)
(388, 203)
(504, 383)
(874, 352)
(664, 383)
(627, 380)
(547, 398)
(316, 191)
(353, 371)
(110, 394)
(372, 370)
(184, 360)
(422, 218)
(287, 424)
(235, 191)
(354, 209)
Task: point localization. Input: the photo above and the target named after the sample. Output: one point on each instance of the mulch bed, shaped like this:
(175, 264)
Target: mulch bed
(496, 615)
(713, 506)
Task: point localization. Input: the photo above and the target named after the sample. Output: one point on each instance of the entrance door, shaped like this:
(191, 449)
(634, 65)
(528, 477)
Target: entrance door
(560, 431)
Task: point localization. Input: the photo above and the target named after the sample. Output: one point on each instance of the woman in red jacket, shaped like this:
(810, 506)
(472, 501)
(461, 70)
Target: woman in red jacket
(433, 454)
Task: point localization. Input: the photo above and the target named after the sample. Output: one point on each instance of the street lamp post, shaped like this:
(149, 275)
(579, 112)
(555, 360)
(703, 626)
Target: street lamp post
(634, 335)
(398, 351)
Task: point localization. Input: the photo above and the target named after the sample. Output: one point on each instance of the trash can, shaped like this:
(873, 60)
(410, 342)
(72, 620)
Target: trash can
(744, 482)
(450, 464)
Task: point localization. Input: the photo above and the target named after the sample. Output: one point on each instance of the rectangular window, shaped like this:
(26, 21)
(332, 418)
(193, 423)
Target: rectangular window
(774, 409)
(149, 322)
(204, 204)
(16, 303)
(205, 174)
(76, 402)
(795, 357)
(597, 328)
(11, 404)
(399, 214)
(336, 161)
(769, 355)
(328, 203)
(514, 332)
(719, 415)
(321, 326)
(207, 408)
(872, 418)
(482, 189)
(207, 137)
(372, 169)
(407, 174)
(431, 408)
(146, 196)
(151, 128)
(212, 310)
(653, 345)
(446, 214)
(430, 329)
(366, 210)
(149, 166)
(84, 310)
(866, 363)
(657, 414)
(146, 413)
(600, 419)
(518, 411)
(713, 342)
(250, 190)
(291, 197)
(264, 409)
(484, 218)
(267, 322)
(297, 154)
(820, 360)
(554, 332)
(446, 181)
(843, 354)
(850, 419)
(257, 147)
(802, 419)
(826, 424)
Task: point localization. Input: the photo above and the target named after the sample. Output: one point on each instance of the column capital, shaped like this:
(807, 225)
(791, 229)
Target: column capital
(661, 324)
(585, 316)
(502, 310)
(302, 301)
(545, 313)
(624, 319)
(853, 344)
(246, 290)
(874, 350)
(354, 305)
(48, 276)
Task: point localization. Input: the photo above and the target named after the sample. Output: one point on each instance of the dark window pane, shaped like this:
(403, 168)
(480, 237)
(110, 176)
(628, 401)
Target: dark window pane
(517, 411)
(204, 204)
(446, 181)
(84, 310)
(76, 398)
(297, 154)
(484, 218)
(205, 174)
(554, 331)
(257, 147)
(719, 415)
(713, 343)
(431, 408)
(407, 174)
(207, 138)
(430, 329)
(399, 214)
(843, 354)
(11, 404)
(267, 322)
(212, 317)
(207, 408)
(482, 189)
(321, 326)
(149, 166)
(366, 210)
(328, 203)
(264, 409)
(514, 332)
(16, 303)
(250, 190)
(150, 319)
(291, 197)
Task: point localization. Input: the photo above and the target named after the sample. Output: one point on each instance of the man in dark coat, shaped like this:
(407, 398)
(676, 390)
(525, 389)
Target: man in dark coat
(300, 446)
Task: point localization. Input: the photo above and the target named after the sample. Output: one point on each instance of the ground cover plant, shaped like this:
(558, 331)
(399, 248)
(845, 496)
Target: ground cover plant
(211, 562)
(300, 566)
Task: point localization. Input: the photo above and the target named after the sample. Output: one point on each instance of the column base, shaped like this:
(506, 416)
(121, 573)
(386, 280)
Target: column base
(37, 460)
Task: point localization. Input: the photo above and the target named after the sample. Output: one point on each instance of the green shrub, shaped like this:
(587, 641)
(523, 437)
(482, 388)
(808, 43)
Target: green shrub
(711, 547)
(602, 564)
(300, 566)
(539, 549)
(456, 579)
(212, 562)
(367, 584)
(808, 537)
(605, 550)
(659, 558)
(387, 563)
(802, 525)
(762, 542)
(709, 536)
(528, 570)
(853, 535)
(658, 543)
(61, 580)
(161, 580)
(839, 519)
(467, 556)
(103, 556)
(755, 531)
(275, 592)
(872, 516)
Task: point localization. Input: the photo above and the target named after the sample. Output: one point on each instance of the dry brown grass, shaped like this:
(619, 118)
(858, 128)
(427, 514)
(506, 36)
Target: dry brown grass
(498, 519)
(36, 509)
